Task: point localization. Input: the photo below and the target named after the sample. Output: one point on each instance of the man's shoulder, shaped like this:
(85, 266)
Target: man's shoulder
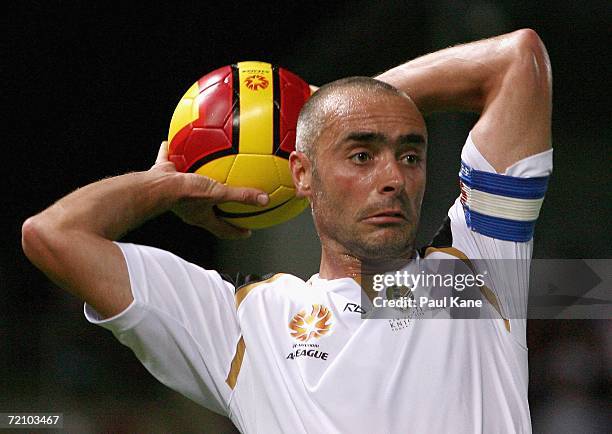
(281, 286)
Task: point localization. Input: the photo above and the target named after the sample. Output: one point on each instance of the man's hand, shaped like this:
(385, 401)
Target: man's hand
(200, 194)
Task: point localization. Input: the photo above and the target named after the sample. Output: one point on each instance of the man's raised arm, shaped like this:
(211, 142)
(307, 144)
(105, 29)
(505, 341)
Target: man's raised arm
(71, 241)
(506, 78)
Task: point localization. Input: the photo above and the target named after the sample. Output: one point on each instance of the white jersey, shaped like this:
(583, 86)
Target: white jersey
(285, 355)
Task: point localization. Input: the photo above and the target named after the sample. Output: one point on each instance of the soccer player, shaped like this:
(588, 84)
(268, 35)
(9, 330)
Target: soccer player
(284, 355)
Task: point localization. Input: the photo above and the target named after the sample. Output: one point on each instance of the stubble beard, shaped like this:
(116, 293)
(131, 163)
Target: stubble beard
(367, 246)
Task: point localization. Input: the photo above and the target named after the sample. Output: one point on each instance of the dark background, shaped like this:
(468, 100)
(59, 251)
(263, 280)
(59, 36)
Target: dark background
(89, 90)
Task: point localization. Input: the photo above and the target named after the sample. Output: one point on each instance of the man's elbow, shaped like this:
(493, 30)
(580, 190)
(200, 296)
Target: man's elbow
(32, 239)
(529, 58)
(41, 241)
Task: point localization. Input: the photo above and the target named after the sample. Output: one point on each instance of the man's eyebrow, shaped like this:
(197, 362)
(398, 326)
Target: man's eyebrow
(366, 136)
(412, 139)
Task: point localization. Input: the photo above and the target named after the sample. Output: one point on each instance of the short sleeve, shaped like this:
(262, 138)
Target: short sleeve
(495, 215)
(182, 324)
(492, 222)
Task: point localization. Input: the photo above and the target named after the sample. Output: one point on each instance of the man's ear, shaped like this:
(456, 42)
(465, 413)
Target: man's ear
(301, 172)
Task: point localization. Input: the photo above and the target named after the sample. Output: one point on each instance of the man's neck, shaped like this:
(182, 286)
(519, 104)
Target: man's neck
(337, 263)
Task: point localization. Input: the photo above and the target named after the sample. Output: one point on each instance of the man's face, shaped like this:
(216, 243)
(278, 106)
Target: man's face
(369, 179)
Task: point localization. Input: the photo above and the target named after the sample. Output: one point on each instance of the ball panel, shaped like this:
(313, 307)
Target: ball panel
(204, 142)
(288, 142)
(257, 171)
(256, 108)
(217, 169)
(176, 147)
(284, 172)
(222, 75)
(183, 114)
(293, 94)
(280, 195)
(214, 105)
(228, 127)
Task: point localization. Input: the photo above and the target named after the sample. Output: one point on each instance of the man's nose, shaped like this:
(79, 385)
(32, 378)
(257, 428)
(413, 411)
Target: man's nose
(391, 178)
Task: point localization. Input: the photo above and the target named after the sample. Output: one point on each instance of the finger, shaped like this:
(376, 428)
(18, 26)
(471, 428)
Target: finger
(250, 196)
(162, 154)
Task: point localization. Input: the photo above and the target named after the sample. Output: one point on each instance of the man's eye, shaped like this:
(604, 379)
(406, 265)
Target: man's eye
(361, 157)
(411, 159)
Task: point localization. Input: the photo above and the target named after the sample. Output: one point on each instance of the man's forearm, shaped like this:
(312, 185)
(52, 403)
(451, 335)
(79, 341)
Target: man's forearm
(462, 77)
(507, 79)
(111, 207)
(69, 241)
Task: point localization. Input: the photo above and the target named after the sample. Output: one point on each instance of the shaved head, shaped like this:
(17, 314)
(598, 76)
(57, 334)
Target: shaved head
(333, 99)
(360, 160)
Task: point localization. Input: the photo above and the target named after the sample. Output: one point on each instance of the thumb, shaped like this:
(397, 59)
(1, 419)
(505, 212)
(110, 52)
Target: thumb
(250, 196)
(162, 154)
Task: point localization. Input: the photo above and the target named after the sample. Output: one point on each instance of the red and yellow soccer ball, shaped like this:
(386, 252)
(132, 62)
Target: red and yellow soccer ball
(237, 125)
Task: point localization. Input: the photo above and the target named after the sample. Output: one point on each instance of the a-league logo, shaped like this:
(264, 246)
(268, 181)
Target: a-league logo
(305, 326)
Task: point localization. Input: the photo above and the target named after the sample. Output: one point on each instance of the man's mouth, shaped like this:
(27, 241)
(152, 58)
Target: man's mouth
(388, 216)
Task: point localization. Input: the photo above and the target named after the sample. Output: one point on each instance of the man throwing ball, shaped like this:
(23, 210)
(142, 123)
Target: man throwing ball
(284, 355)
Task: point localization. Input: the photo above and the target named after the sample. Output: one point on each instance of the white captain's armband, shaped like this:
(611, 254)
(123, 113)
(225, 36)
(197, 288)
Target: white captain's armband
(500, 206)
